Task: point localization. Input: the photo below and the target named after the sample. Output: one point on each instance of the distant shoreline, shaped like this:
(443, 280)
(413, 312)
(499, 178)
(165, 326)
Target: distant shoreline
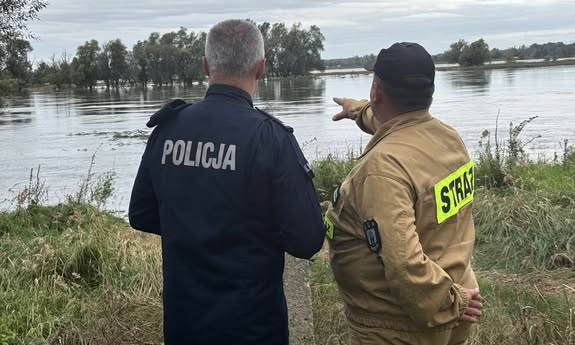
(507, 65)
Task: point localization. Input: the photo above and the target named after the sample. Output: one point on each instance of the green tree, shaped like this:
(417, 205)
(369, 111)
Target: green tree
(189, 58)
(103, 65)
(133, 70)
(276, 48)
(314, 47)
(85, 64)
(59, 71)
(140, 61)
(475, 54)
(168, 58)
(15, 16)
(15, 59)
(14, 46)
(40, 74)
(118, 67)
(455, 51)
(292, 52)
(509, 55)
(154, 58)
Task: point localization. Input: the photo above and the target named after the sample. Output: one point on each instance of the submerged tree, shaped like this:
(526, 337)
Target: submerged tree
(455, 51)
(175, 58)
(292, 52)
(475, 54)
(85, 64)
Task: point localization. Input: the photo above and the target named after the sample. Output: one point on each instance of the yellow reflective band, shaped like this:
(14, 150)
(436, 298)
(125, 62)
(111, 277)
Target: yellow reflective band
(454, 192)
(328, 227)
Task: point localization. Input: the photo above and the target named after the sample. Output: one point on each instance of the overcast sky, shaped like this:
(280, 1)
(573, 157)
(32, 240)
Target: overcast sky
(350, 28)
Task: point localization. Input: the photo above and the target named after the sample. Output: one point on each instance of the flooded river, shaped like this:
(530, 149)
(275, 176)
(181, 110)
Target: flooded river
(60, 131)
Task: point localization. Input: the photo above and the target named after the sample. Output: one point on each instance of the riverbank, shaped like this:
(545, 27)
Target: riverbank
(74, 273)
(488, 66)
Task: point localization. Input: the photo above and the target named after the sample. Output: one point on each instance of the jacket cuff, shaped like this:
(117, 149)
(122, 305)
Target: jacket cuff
(355, 112)
(463, 297)
(359, 114)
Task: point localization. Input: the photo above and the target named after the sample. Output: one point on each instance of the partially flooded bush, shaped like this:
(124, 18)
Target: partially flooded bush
(497, 160)
(94, 189)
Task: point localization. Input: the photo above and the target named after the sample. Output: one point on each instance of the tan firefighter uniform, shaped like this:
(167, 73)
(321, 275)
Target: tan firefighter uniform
(401, 233)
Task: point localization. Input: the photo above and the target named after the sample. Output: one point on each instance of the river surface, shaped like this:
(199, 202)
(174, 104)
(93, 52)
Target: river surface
(61, 131)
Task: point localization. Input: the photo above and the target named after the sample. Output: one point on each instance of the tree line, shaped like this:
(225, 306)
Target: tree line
(355, 61)
(473, 54)
(162, 59)
(478, 52)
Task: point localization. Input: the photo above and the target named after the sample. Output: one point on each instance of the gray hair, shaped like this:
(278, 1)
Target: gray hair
(234, 48)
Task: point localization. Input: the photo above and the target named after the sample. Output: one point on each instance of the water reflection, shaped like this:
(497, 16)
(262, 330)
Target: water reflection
(291, 90)
(509, 76)
(478, 80)
(15, 117)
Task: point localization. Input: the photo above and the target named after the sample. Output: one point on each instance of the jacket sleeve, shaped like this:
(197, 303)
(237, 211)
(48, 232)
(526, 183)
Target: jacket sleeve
(426, 292)
(143, 211)
(363, 115)
(294, 201)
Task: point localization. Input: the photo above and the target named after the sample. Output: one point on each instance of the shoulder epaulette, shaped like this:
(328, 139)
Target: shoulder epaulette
(167, 112)
(276, 120)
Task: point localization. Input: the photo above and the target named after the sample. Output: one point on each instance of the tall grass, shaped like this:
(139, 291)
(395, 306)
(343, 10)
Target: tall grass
(516, 312)
(75, 274)
(330, 173)
(522, 231)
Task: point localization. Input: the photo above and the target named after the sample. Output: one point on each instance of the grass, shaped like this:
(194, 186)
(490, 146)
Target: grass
(73, 273)
(330, 173)
(516, 311)
(523, 231)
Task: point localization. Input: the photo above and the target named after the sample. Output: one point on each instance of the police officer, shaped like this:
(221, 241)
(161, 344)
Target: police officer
(400, 227)
(229, 191)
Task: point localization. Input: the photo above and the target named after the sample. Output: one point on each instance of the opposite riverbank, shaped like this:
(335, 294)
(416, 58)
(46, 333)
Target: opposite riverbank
(489, 66)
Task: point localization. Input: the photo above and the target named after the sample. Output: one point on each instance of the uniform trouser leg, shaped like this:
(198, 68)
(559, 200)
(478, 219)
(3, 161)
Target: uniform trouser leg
(363, 335)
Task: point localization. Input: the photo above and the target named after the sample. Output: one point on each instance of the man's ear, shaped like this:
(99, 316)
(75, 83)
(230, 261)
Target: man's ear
(261, 69)
(206, 66)
(375, 91)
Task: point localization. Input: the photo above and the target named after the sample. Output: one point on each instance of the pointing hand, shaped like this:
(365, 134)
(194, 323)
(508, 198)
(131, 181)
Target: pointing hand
(346, 105)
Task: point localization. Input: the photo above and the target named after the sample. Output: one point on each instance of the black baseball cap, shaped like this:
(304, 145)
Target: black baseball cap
(407, 67)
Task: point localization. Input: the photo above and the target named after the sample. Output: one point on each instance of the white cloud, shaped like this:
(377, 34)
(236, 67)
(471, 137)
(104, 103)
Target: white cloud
(350, 27)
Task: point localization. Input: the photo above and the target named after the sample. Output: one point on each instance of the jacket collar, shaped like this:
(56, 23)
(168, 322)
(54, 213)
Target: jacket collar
(396, 124)
(229, 91)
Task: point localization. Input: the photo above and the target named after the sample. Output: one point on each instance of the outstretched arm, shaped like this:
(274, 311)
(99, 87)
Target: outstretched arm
(359, 111)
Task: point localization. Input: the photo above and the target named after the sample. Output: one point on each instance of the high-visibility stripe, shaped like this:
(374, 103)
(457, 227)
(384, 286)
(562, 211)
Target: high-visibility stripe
(454, 192)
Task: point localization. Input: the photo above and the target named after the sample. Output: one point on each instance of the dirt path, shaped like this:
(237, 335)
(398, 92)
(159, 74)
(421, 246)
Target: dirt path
(298, 295)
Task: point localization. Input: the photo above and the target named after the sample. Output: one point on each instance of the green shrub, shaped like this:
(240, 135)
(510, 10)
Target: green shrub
(495, 164)
(330, 173)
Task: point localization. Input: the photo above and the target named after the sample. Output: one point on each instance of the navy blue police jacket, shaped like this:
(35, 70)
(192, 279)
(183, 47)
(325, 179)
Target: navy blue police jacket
(229, 191)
